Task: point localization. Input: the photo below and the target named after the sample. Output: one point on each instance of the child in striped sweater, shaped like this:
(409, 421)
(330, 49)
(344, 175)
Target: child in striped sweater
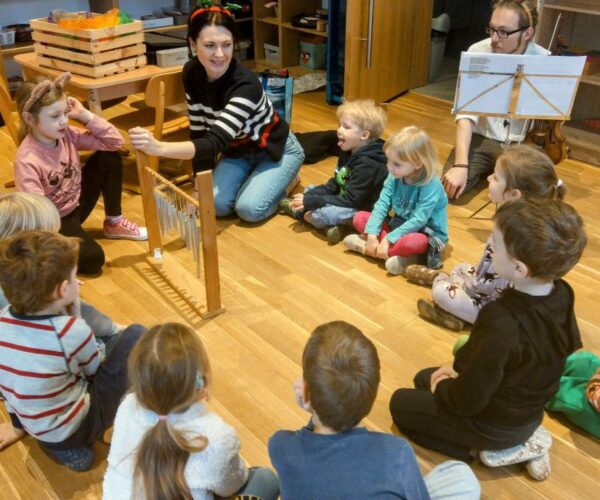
(54, 386)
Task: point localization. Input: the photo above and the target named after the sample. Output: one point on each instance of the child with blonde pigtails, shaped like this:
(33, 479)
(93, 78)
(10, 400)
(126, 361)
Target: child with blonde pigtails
(522, 171)
(166, 442)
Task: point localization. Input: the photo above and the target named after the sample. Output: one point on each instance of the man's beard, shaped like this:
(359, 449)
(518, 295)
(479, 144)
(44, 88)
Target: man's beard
(517, 50)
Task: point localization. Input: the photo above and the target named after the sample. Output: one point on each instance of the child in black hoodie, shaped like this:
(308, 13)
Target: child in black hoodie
(358, 178)
(492, 399)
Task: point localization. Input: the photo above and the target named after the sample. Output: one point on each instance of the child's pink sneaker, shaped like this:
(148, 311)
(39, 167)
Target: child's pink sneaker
(124, 229)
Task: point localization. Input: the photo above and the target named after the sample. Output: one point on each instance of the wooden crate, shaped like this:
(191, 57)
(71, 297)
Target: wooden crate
(89, 52)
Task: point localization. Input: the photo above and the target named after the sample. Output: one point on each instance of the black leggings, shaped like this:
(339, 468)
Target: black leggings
(418, 415)
(101, 174)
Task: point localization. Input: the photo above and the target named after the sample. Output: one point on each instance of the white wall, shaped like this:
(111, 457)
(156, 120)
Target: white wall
(21, 11)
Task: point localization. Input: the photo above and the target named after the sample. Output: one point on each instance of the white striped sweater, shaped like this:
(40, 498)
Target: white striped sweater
(44, 364)
(231, 115)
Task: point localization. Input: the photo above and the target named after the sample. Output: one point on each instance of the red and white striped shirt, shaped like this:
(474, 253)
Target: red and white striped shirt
(44, 365)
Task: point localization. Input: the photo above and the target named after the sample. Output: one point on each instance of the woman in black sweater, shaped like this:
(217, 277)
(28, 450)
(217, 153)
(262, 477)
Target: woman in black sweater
(232, 124)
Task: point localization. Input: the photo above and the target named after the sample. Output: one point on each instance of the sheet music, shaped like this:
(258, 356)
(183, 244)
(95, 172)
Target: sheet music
(486, 81)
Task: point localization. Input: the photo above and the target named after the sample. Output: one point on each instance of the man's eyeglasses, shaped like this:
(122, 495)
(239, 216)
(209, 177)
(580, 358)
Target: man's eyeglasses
(501, 33)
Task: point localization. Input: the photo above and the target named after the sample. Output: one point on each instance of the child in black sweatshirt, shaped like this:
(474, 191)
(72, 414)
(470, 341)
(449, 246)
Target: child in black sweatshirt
(358, 178)
(492, 399)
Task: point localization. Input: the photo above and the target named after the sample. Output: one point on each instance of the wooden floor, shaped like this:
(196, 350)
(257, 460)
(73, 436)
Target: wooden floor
(281, 279)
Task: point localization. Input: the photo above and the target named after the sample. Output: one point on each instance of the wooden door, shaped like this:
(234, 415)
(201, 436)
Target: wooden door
(387, 47)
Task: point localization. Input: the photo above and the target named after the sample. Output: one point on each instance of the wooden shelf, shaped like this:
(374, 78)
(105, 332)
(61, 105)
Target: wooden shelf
(163, 29)
(269, 20)
(573, 7)
(264, 64)
(578, 25)
(17, 48)
(583, 142)
(289, 26)
(591, 79)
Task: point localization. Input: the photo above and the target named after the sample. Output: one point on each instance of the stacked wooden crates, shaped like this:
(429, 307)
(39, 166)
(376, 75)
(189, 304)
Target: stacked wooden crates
(94, 53)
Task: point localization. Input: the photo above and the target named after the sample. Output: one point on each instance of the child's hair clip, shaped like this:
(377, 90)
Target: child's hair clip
(199, 381)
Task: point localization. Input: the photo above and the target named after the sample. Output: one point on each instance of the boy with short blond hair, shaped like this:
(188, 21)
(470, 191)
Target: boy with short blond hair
(358, 177)
(333, 458)
(49, 354)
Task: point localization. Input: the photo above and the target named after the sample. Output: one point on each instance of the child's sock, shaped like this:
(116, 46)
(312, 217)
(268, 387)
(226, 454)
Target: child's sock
(355, 243)
(113, 219)
(396, 264)
(285, 207)
(335, 233)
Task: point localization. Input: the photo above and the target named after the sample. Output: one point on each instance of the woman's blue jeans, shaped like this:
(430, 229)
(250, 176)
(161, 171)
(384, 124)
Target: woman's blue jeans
(253, 184)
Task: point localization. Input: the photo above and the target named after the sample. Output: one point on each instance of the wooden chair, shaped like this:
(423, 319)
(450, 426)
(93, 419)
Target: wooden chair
(164, 115)
(8, 110)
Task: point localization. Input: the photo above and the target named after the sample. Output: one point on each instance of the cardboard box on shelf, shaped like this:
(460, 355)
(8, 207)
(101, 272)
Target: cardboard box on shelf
(272, 53)
(172, 57)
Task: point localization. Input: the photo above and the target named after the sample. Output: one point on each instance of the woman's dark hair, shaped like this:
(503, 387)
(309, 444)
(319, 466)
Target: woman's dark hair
(213, 16)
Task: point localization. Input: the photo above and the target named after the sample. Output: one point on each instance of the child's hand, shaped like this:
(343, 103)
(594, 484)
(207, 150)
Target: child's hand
(9, 435)
(382, 249)
(143, 140)
(74, 309)
(77, 111)
(298, 386)
(442, 373)
(297, 202)
(371, 246)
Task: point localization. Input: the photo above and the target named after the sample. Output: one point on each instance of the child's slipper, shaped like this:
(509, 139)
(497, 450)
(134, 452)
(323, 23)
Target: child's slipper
(539, 468)
(421, 275)
(432, 312)
(535, 447)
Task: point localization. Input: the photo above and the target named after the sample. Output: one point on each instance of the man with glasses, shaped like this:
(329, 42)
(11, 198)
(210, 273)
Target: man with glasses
(479, 139)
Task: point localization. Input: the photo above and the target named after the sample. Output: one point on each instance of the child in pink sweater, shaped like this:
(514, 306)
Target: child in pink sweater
(48, 163)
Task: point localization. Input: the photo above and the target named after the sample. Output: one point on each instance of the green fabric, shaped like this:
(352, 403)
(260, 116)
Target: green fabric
(571, 399)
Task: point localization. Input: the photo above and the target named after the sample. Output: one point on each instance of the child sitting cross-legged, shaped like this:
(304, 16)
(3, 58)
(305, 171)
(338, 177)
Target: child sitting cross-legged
(409, 223)
(167, 444)
(332, 457)
(54, 385)
(358, 178)
(492, 399)
(521, 171)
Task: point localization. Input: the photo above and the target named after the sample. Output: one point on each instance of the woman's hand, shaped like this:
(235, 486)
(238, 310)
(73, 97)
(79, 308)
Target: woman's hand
(442, 373)
(382, 249)
(143, 140)
(77, 111)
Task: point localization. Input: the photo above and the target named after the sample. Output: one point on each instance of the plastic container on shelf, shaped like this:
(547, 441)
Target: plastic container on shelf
(7, 37)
